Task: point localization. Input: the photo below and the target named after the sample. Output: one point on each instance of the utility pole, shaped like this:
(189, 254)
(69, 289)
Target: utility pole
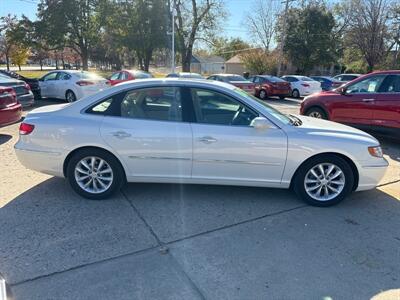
(284, 29)
(173, 39)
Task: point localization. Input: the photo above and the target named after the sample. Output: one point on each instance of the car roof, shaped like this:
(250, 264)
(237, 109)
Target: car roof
(349, 74)
(226, 75)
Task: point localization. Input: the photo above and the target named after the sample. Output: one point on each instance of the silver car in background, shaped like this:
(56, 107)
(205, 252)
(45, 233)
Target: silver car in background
(198, 132)
(21, 88)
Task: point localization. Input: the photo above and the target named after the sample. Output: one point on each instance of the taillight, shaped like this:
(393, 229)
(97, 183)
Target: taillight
(26, 128)
(305, 84)
(84, 83)
(27, 86)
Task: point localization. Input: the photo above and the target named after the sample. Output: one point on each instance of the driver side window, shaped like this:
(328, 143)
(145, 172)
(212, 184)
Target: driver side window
(366, 86)
(51, 76)
(215, 108)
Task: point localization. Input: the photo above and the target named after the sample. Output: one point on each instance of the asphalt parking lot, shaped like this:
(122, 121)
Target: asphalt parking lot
(164, 241)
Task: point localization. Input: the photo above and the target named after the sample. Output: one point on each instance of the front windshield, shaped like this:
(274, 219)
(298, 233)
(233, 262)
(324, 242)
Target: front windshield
(274, 112)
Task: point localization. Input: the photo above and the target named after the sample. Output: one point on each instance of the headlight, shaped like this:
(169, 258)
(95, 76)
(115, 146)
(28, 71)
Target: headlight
(375, 151)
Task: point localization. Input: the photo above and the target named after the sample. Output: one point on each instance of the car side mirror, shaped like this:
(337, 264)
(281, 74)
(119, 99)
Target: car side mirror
(260, 123)
(342, 90)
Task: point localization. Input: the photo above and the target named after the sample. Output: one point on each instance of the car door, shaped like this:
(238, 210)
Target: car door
(257, 84)
(47, 85)
(387, 104)
(61, 85)
(148, 132)
(227, 148)
(356, 104)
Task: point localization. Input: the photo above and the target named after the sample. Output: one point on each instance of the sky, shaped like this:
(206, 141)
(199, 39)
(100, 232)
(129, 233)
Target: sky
(236, 11)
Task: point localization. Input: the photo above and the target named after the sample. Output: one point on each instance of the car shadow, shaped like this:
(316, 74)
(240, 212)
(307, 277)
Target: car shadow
(48, 228)
(4, 138)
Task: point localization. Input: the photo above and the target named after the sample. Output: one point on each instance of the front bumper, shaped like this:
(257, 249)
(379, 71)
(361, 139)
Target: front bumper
(371, 175)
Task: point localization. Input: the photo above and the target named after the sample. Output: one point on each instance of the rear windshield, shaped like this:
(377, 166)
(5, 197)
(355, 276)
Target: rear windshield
(274, 79)
(87, 75)
(305, 78)
(190, 75)
(236, 78)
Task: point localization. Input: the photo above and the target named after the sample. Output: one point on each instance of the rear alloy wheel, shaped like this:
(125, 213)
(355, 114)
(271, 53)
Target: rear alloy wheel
(70, 96)
(295, 94)
(263, 95)
(94, 174)
(317, 112)
(324, 180)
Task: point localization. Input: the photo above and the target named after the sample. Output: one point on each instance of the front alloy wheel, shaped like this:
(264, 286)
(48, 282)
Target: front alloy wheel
(324, 180)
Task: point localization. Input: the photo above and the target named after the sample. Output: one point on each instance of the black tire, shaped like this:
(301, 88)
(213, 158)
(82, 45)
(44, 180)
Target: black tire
(295, 93)
(299, 179)
(70, 96)
(317, 112)
(118, 181)
(263, 95)
(282, 97)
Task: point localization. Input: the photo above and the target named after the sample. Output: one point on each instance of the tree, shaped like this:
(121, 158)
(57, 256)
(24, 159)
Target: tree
(71, 23)
(259, 61)
(195, 19)
(228, 48)
(261, 21)
(309, 38)
(368, 30)
(7, 25)
(19, 55)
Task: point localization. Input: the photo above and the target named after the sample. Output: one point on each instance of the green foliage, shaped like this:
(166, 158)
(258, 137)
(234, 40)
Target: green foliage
(19, 55)
(260, 62)
(310, 38)
(228, 48)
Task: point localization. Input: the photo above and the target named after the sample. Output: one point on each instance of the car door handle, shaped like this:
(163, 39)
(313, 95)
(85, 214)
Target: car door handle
(121, 134)
(207, 139)
(368, 100)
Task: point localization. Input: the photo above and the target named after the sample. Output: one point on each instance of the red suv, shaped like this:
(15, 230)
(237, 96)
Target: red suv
(371, 101)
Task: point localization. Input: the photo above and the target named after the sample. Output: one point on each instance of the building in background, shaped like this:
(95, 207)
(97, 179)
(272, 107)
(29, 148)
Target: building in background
(207, 64)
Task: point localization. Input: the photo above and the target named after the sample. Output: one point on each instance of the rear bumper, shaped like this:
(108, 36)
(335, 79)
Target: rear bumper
(47, 162)
(10, 114)
(26, 99)
(370, 176)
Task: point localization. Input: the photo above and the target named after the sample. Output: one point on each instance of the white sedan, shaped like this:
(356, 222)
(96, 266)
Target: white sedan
(71, 85)
(201, 132)
(302, 85)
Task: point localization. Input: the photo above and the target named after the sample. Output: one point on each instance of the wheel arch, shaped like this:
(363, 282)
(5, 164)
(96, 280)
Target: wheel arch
(344, 157)
(68, 157)
(317, 106)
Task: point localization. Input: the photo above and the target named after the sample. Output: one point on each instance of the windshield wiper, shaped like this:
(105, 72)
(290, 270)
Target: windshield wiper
(295, 121)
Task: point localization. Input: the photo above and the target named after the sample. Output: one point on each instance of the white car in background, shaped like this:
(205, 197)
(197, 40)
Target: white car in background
(197, 132)
(302, 85)
(71, 85)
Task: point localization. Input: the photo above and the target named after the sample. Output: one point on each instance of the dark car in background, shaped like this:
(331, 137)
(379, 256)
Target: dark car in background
(369, 102)
(32, 82)
(328, 83)
(10, 109)
(236, 80)
(21, 88)
(346, 77)
(267, 85)
(126, 75)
